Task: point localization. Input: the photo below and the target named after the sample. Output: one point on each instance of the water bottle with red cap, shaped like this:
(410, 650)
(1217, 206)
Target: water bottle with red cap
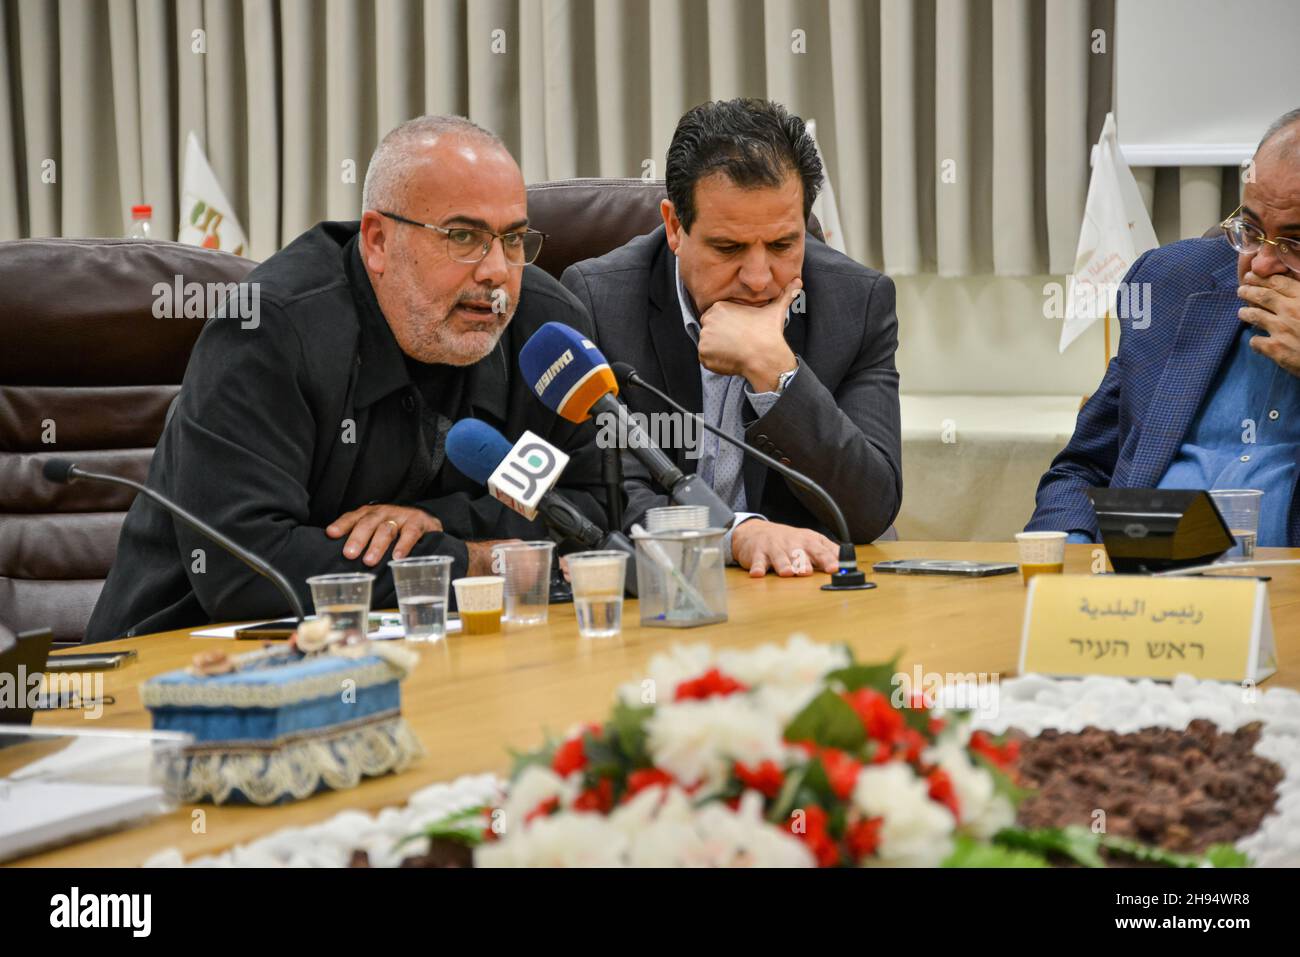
(141, 222)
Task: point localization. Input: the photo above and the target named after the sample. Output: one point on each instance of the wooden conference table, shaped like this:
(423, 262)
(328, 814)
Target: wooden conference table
(472, 697)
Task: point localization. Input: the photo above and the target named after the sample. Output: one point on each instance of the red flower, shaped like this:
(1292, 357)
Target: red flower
(810, 827)
(936, 726)
(941, 790)
(767, 778)
(1002, 756)
(571, 755)
(882, 720)
(841, 771)
(712, 683)
(543, 809)
(488, 833)
(882, 754)
(863, 837)
(914, 742)
(600, 798)
(638, 781)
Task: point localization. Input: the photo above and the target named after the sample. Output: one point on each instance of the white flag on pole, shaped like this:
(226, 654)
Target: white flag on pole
(1116, 231)
(824, 206)
(207, 218)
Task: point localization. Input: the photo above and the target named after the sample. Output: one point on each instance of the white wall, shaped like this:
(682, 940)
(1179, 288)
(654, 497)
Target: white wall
(986, 335)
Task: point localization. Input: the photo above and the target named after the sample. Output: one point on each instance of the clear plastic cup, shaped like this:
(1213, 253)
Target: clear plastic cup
(680, 577)
(526, 568)
(1041, 553)
(479, 603)
(422, 585)
(1240, 510)
(598, 579)
(346, 599)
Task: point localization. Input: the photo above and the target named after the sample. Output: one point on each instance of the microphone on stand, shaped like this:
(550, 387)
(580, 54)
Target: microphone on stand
(486, 456)
(848, 576)
(572, 378)
(611, 473)
(64, 472)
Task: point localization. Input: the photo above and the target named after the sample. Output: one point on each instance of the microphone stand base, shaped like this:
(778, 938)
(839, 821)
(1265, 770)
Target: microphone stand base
(853, 580)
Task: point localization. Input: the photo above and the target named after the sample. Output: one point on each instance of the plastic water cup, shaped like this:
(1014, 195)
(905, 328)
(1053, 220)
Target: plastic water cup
(422, 585)
(1240, 510)
(598, 579)
(526, 568)
(479, 602)
(1041, 553)
(346, 599)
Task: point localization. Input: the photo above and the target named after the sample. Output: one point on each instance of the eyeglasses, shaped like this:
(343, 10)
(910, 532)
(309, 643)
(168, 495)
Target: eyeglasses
(468, 245)
(1247, 238)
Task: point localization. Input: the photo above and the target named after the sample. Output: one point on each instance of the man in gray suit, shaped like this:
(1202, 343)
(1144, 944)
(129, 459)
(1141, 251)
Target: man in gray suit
(771, 335)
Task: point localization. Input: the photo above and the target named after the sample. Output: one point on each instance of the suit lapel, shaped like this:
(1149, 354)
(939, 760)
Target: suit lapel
(676, 353)
(1207, 329)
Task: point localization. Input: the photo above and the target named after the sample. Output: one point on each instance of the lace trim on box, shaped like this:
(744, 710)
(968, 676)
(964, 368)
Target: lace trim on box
(211, 694)
(302, 767)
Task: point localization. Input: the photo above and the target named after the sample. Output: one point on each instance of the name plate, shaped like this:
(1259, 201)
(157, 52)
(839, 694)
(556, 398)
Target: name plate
(1135, 626)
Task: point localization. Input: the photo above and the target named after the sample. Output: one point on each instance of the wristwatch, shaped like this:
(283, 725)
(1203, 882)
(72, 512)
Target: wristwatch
(784, 378)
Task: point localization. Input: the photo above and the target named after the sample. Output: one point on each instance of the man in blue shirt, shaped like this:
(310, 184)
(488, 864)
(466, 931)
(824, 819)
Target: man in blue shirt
(1205, 395)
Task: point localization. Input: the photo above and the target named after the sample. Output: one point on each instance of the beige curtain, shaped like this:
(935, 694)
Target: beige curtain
(956, 132)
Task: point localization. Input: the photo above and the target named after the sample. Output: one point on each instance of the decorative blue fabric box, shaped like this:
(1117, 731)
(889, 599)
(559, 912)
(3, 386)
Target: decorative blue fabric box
(282, 726)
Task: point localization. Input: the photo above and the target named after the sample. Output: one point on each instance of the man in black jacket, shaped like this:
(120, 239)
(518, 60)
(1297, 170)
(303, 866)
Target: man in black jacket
(773, 337)
(314, 434)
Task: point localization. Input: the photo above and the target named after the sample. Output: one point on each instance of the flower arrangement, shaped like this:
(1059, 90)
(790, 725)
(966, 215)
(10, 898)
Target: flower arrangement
(791, 755)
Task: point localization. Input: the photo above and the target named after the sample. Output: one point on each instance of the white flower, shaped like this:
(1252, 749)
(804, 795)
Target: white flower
(800, 663)
(783, 703)
(697, 741)
(712, 836)
(916, 831)
(561, 840)
(665, 672)
(533, 786)
(657, 828)
(984, 812)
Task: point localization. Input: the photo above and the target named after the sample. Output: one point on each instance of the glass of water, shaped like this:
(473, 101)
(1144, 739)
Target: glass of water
(346, 599)
(598, 579)
(526, 567)
(422, 585)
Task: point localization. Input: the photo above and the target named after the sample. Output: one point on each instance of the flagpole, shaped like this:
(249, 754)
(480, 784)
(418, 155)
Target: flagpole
(1106, 322)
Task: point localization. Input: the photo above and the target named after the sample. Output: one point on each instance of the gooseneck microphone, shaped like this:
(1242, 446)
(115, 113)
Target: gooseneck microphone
(848, 576)
(486, 456)
(64, 472)
(572, 378)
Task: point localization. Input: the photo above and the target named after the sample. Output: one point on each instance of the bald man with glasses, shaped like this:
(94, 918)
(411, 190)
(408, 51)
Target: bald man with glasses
(315, 437)
(1205, 393)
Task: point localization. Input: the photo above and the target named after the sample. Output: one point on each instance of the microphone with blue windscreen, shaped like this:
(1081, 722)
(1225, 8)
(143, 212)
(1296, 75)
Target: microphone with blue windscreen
(566, 371)
(476, 449)
(486, 456)
(572, 378)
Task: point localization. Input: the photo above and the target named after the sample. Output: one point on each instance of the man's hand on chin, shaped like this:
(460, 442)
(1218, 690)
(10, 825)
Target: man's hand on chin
(1273, 306)
(372, 528)
(759, 545)
(736, 339)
